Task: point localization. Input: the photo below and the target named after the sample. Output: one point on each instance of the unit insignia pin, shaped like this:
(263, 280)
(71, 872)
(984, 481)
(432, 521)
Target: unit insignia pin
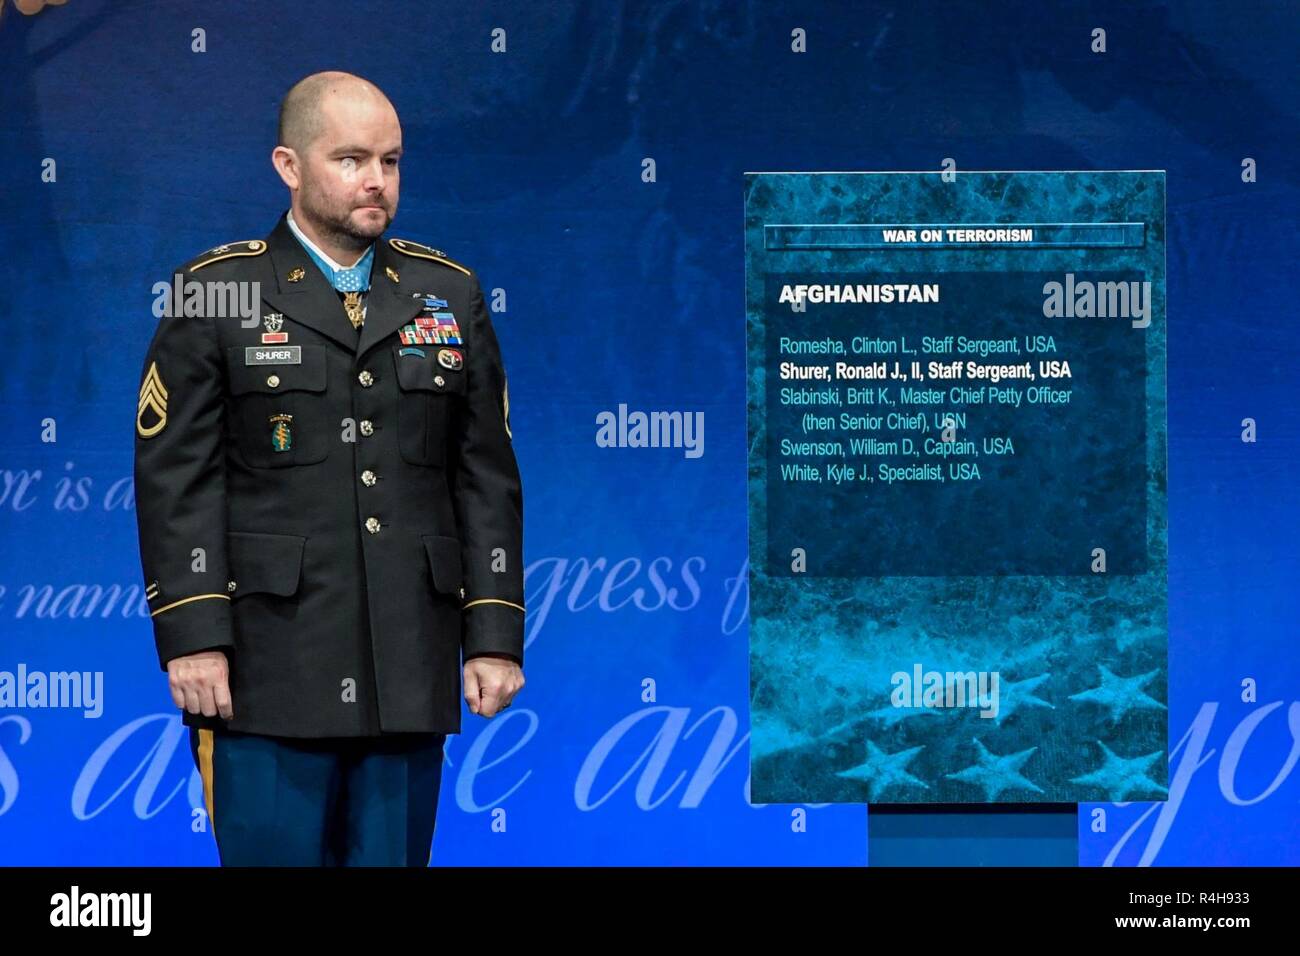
(281, 436)
(274, 323)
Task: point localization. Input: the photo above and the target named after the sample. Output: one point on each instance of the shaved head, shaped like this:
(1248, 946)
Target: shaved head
(301, 117)
(340, 143)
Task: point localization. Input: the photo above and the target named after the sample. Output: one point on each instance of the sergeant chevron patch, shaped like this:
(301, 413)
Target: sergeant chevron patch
(153, 398)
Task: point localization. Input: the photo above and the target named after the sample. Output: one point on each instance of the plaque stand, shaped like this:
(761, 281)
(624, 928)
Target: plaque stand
(1005, 834)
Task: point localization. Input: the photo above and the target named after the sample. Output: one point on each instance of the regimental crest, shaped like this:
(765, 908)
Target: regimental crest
(151, 410)
(274, 323)
(281, 432)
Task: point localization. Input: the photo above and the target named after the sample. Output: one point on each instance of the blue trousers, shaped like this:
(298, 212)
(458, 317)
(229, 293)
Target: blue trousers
(341, 801)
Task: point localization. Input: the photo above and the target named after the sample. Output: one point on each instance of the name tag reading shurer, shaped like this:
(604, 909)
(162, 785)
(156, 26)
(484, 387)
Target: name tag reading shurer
(284, 355)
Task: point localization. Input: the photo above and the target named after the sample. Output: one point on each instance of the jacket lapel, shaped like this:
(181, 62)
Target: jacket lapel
(301, 291)
(388, 307)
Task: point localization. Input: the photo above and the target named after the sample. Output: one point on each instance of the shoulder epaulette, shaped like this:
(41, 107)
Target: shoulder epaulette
(251, 247)
(407, 247)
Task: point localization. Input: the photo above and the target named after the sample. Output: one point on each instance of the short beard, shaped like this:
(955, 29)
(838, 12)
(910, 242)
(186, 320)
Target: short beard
(340, 231)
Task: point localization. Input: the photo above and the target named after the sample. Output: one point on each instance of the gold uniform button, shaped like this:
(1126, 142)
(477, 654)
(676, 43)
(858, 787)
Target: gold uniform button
(372, 525)
(368, 478)
(366, 379)
(367, 427)
(273, 381)
(439, 381)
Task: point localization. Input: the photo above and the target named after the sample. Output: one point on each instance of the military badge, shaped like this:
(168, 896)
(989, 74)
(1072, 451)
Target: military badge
(296, 275)
(273, 324)
(281, 435)
(450, 358)
(430, 300)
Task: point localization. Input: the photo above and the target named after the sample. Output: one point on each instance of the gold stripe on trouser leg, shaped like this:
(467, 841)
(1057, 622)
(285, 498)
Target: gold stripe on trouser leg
(205, 771)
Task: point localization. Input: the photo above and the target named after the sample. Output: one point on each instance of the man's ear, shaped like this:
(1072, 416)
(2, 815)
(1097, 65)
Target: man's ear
(285, 161)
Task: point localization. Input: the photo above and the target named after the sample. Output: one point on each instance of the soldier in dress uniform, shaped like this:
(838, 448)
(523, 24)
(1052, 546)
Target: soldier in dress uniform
(330, 511)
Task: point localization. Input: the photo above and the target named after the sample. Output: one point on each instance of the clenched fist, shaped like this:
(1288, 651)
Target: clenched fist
(200, 683)
(491, 683)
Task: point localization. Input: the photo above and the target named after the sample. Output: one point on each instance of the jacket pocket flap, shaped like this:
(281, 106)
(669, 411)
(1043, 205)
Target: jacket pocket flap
(266, 563)
(444, 561)
(421, 372)
(307, 375)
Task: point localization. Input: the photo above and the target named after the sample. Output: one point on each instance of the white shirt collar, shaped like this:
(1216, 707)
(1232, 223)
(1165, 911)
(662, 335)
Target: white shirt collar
(316, 249)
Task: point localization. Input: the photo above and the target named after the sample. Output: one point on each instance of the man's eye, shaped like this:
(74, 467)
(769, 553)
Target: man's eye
(392, 161)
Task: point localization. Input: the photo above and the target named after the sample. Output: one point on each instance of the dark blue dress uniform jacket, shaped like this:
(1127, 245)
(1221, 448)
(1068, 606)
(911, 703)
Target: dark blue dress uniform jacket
(346, 563)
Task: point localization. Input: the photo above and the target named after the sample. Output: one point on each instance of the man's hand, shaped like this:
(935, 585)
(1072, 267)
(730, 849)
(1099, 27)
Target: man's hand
(491, 683)
(200, 683)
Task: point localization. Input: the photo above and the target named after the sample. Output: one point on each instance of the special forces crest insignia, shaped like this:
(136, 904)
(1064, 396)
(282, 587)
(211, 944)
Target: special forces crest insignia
(281, 433)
